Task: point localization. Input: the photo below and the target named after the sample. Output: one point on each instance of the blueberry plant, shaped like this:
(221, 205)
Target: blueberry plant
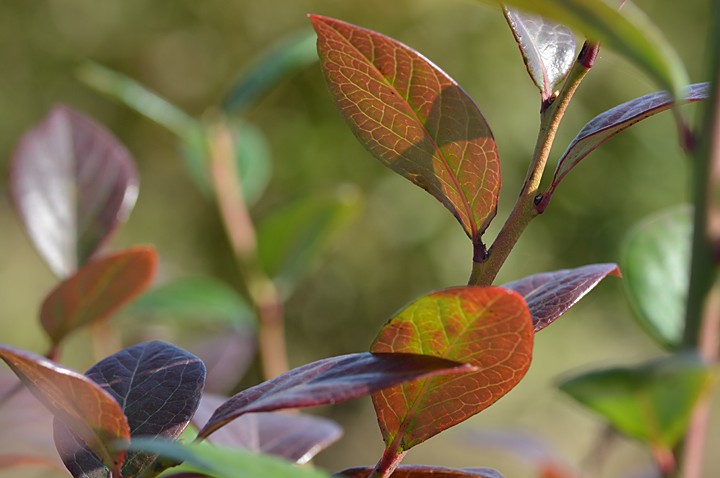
(441, 359)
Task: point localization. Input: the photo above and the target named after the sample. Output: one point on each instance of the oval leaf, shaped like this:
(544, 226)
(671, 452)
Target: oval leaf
(78, 402)
(328, 381)
(421, 471)
(550, 294)
(227, 356)
(656, 261)
(97, 291)
(414, 118)
(613, 121)
(72, 184)
(548, 48)
(158, 386)
(489, 327)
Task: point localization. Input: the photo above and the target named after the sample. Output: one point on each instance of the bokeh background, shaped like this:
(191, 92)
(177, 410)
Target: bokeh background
(403, 243)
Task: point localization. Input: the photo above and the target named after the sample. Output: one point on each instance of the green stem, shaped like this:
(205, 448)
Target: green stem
(485, 268)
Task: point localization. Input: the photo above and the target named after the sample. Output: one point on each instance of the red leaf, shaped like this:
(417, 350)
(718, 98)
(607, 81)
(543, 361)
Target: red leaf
(72, 184)
(328, 381)
(489, 327)
(550, 294)
(97, 291)
(81, 404)
(414, 118)
(421, 471)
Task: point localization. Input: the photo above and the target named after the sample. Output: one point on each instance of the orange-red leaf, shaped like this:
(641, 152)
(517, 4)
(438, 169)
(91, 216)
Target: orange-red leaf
(414, 118)
(488, 327)
(97, 290)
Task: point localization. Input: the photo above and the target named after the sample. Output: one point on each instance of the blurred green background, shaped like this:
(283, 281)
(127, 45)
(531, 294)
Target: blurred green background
(403, 244)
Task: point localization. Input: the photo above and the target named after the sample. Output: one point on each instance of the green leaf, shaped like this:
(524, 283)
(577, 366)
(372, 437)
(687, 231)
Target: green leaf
(652, 402)
(656, 263)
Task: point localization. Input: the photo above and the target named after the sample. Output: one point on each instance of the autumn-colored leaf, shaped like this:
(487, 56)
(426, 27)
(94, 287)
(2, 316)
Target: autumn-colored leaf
(414, 118)
(422, 471)
(548, 48)
(331, 380)
(72, 184)
(82, 405)
(489, 327)
(550, 294)
(97, 290)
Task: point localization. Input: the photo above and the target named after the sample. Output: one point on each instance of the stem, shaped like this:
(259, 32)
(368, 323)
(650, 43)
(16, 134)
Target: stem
(261, 291)
(525, 210)
(390, 460)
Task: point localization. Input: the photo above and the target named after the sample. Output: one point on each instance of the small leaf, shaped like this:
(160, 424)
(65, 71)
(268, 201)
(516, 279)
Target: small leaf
(548, 48)
(328, 381)
(656, 261)
(489, 327)
(652, 402)
(421, 471)
(414, 118)
(82, 405)
(72, 184)
(613, 121)
(550, 294)
(226, 356)
(158, 386)
(292, 436)
(97, 290)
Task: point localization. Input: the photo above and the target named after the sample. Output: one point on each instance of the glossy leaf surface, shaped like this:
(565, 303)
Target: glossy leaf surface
(548, 48)
(82, 405)
(158, 386)
(295, 437)
(656, 261)
(414, 118)
(489, 327)
(550, 294)
(613, 121)
(422, 471)
(72, 184)
(328, 381)
(97, 290)
(652, 402)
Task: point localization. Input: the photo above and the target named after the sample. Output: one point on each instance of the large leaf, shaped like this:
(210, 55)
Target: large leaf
(292, 436)
(422, 471)
(652, 402)
(413, 118)
(548, 48)
(158, 386)
(72, 184)
(97, 290)
(331, 380)
(613, 121)
(489, 327)
(550, 294)
(82, 405)
(656, 262)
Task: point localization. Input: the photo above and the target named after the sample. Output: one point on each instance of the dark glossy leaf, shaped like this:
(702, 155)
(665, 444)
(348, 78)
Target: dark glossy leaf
(292, 436)
(414, 118)
(548, 48)
(652, 402)
(72, 184)
(158, 386)
(489, 327)
(331, 380)
(656, 261)
(82, 405)
(97, 290)
(550, 294)
(613, 121)
(289, 56)
(422, 471)
(226, 356)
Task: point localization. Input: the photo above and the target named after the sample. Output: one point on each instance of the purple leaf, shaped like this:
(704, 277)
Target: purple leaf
(295, 437)
(550, 294)
(331, 380)
(226, 357)
(158, 386)
(72, 184)
(606, 125)
(421, 471)
(548, 48)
